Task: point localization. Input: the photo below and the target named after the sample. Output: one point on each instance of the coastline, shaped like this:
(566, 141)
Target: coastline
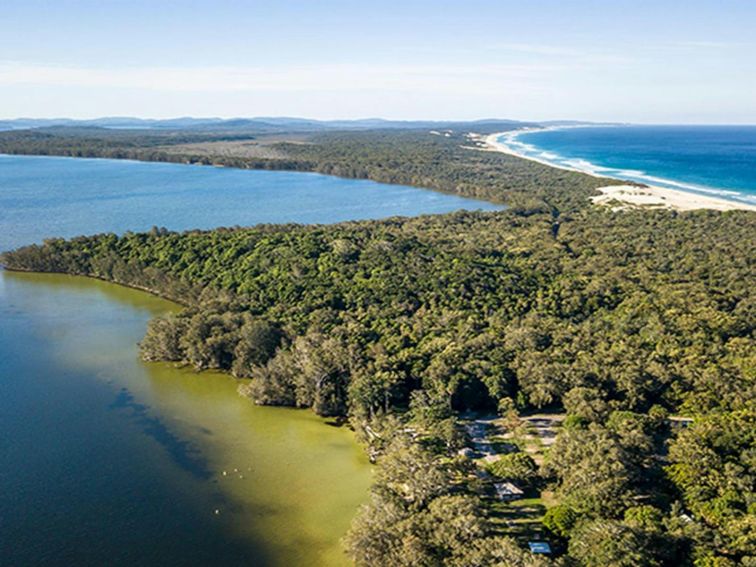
(620, 197)
(501, 205)
(630, 194)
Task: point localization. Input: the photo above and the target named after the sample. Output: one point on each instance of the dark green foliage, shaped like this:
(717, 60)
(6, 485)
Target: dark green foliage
(483, 302)
(496, 552)
(114, 143)
(313, 373)
(451, 165)
(586, 404)
(218, 336)
(410, 157)
(644, 517)
(607, 543)
(258, 341)
(593, 470)
(713, 466)
(619, 318)
(418, 516)
(560, 520)
(518, 467)
(163, 340)
(415, 516)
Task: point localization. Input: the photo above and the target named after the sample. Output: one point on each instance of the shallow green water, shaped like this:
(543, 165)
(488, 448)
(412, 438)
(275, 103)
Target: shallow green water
(107, 460)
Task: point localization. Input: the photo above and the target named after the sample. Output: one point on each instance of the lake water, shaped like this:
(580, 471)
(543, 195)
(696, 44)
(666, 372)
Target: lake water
(714, 160)
(105, 460)
(50, 196)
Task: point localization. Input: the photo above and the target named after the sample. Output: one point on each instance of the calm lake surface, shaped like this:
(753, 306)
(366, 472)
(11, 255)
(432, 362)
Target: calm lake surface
(50, 196)
(105, 460)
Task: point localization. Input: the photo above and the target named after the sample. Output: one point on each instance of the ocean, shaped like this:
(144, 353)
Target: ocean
(712, 160)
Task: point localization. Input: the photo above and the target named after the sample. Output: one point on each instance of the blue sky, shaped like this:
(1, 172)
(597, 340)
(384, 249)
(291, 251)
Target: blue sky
(665, 61)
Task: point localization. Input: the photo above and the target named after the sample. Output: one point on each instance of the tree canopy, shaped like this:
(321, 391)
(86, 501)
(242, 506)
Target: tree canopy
(619, 319)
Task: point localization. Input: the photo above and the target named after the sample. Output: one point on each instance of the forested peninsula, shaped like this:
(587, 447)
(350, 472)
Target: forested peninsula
(454, 164)
(633, 330)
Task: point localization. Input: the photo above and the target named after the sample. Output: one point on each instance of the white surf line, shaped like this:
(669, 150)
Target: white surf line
(736, 200)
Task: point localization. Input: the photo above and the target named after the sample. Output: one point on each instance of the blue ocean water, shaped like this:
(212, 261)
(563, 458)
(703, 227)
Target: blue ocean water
(716, 160)
(43, 197)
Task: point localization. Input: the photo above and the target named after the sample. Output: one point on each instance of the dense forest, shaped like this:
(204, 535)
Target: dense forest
(638, 325)
(451, 164)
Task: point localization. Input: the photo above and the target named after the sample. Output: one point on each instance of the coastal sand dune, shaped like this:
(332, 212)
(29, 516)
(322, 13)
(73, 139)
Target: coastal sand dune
(633, 196)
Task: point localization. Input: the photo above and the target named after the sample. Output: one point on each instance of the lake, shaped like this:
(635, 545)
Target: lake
(42, 197)
(105, 460)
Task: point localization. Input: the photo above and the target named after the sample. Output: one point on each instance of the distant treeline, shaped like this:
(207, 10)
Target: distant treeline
(411, 157)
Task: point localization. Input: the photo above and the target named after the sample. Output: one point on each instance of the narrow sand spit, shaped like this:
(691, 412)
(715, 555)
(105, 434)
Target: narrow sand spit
(630, 196)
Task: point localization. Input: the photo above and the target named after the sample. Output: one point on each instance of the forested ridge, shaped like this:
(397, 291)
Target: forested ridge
(621, 320)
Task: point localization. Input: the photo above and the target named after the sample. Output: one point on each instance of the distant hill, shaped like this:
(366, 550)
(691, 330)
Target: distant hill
(257, 124)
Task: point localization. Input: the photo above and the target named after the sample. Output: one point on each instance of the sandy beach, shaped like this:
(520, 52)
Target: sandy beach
(631, 196)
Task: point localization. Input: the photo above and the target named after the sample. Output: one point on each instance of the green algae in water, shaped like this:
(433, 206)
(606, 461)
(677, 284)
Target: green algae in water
(108, 460)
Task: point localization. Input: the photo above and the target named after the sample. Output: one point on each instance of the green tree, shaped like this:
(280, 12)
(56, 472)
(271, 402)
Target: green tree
(258, 341)
(162, 341)
(593, 471)
(587, 404)
(410, 474)
(560, 520)
(608, 543)
(519, 467)
(496, 552)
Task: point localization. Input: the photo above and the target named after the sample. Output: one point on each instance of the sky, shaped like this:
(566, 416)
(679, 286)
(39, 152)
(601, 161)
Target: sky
(662, 61)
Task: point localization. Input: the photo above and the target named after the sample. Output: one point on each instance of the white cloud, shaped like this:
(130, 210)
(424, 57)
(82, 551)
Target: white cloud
(458, 78)
(536, 49)
(700, 44)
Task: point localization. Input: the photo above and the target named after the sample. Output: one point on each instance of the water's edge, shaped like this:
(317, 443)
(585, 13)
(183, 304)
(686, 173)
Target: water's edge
(516, 145)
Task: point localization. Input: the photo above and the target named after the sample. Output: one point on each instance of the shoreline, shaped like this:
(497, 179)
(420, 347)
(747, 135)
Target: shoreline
(501, 206)
(148, 290)
(630, 194)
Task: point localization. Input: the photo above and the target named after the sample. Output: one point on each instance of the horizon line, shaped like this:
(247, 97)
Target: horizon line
(365, 119)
